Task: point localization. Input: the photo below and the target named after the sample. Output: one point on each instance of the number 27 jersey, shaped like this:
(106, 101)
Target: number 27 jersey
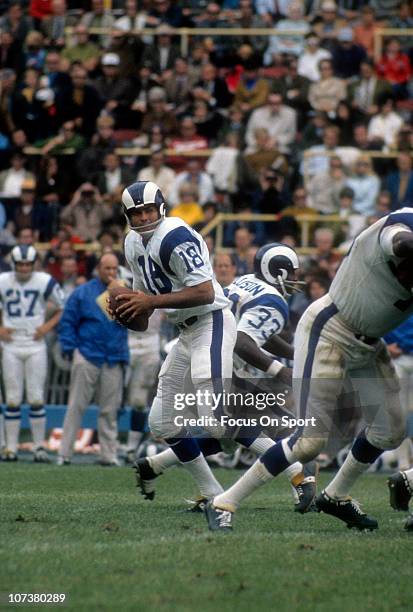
(175, 257)
(24, 305)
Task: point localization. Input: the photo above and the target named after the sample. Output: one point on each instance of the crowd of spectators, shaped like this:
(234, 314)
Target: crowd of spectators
(280, 124)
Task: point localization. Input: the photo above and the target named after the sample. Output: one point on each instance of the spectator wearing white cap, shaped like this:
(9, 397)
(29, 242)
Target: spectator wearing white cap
(116, 91)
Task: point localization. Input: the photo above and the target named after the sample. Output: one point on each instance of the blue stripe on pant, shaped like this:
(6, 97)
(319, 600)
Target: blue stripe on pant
(316, 329)
(216, 356)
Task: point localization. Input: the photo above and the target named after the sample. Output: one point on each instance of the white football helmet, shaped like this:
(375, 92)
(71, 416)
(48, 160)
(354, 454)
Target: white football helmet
(276, 264)
(138, 195)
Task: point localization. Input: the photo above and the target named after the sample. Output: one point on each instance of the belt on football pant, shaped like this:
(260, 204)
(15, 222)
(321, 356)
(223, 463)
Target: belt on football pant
(187, 322)
(366, 339)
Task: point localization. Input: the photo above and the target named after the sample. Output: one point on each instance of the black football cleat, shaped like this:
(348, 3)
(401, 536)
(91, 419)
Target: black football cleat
(400, 491)
(409, 523)
(347, 510)
(145, 477)
(217, 519)
(307, 489)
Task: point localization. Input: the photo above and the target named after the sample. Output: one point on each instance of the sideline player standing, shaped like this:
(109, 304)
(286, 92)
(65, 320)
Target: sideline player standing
(24, 295)
(171, 270)
(338, 341)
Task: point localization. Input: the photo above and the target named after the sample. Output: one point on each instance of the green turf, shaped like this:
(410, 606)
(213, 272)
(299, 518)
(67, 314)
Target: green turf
(86, 532)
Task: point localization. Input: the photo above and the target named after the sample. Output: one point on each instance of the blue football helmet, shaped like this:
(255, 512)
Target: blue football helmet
(138, 195)
(23, 253)
(276, 264)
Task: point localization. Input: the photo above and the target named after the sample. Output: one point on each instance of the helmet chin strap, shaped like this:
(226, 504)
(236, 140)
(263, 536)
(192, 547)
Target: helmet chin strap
(146, 231)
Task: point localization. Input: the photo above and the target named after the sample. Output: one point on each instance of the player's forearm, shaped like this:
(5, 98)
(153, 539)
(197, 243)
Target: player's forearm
(403, 244)
(279, 347)
(185, 298)
(249, 351)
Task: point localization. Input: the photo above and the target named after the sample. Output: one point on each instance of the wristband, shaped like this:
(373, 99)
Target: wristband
(275, 368)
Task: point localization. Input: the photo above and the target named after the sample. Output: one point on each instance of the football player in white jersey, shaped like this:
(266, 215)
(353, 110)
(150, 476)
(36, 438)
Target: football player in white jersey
(338, 343)
(171, 270)
(24, 295)
(261, 311)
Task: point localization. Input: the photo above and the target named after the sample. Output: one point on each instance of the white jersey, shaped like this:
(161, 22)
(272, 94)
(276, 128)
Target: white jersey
(260, 312)
(23, 305)
(366, 289)
(175, 257)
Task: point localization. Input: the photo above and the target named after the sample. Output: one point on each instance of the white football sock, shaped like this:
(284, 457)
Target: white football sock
(12, 428)
(347, 475)
(134, 439)
(38, 427)
(162, 461)
(404, 454)
(256, 476)
(294, 470)
(2, 432)
(409, 474)
(261, 445)
(202, 474)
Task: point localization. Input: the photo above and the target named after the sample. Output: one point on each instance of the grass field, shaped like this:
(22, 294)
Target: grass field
(85, 531)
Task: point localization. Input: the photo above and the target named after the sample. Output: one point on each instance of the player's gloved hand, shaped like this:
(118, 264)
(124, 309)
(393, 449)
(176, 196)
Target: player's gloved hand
(67, 355)
(6, 334)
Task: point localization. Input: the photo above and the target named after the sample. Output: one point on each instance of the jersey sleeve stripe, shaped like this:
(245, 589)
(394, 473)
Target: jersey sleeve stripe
(405, 218)
(171, 241)
(272, 301)
(50, 286)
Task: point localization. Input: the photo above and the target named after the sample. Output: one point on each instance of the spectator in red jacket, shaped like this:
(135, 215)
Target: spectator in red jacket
(395, 67)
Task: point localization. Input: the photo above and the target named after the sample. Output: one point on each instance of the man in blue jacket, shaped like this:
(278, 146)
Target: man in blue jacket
(99, 347)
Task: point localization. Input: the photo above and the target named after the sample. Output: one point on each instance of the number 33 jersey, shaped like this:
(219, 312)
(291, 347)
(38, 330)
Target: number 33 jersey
(175, 257)
(260, 312)
(23, 305)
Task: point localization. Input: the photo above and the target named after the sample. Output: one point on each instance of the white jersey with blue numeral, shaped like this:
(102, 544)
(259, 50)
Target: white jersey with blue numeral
(175, 257)
(366, 289)
(260, 311)
(24, 305)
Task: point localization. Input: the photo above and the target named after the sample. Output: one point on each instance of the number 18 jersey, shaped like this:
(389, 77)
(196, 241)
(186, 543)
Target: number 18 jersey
(174, 257)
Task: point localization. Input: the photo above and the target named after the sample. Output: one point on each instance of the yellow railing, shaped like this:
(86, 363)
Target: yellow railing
(371, 154)
(186, 33)
(305, 222)
(387, 32)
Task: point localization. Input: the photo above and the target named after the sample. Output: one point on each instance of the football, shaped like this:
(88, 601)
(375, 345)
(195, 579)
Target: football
(139, 323)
